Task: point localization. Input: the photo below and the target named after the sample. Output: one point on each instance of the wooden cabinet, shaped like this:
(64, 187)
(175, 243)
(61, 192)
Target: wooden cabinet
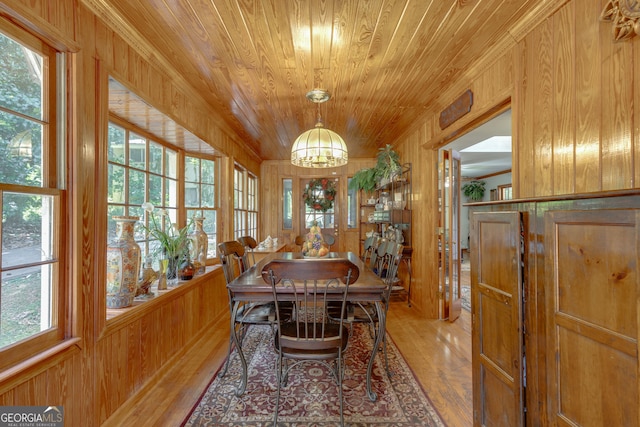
(555, 311)
(497, 339)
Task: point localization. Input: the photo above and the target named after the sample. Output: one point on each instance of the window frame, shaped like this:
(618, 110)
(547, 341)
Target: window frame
(201, 209)
(180, 214)
(245, 203)
(54, 140)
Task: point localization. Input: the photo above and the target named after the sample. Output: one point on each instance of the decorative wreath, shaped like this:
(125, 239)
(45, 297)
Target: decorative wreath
(319, 194)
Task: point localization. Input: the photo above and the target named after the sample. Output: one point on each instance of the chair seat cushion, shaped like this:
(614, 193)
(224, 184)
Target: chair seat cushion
(310, 348)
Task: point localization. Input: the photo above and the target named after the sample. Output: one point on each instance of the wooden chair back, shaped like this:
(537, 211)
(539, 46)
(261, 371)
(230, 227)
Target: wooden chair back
(249, 244)
(366, 249)
(373, 254)
(232, 258)
(299, 240)
(392, 261)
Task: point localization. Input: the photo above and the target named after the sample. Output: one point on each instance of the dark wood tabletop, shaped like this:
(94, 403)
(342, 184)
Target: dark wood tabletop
(250, 286)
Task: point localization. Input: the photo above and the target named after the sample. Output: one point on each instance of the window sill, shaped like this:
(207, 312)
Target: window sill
(48, 357)
(119, 317)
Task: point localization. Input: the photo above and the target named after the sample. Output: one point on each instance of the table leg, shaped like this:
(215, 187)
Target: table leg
(234, 334)
(407, 260)
(379, 339)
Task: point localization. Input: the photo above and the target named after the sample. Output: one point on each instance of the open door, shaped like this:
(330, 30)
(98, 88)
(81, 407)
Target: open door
(328, 218)
(449, 234)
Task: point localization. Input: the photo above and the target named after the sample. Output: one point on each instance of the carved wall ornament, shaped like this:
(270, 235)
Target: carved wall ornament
(625, 16)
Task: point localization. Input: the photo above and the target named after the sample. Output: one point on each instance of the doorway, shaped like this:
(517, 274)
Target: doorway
(486, 154)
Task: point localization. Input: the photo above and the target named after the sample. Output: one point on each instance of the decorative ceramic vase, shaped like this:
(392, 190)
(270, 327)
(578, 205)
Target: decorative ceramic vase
(123, 264)
(199, 246)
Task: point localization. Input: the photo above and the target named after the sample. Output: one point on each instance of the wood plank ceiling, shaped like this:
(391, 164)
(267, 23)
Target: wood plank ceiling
(383, 61)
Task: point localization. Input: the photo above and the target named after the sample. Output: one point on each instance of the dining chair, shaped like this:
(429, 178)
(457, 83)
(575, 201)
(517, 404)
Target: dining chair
(299, 240)
(232, 258)
(367, 312)
(367, 248)
(310, 336)
(378, 251)
(329, 239)
(249, 244)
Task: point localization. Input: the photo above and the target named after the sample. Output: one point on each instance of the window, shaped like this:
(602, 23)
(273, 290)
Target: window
(200, 196)
(352, 206)
(287, 204)
(139, 170)
(32, 295)
(245, 204)
(505, 192)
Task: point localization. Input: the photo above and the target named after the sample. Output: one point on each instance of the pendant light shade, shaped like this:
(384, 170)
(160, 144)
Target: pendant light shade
(319, 147)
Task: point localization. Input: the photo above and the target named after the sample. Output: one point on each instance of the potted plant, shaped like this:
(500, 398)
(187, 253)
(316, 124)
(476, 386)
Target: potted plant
(387, 165)
(474, 190)
(365, 180)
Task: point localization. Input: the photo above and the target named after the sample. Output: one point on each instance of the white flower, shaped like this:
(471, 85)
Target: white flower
(147, 207)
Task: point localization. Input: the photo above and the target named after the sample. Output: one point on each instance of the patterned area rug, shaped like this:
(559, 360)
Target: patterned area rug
(465, 288)
(310, 397)
(465, 296)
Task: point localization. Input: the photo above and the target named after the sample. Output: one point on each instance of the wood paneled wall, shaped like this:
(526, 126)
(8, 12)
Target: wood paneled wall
(571, 89)
(577, 128)
(133, 351)
(492, 87)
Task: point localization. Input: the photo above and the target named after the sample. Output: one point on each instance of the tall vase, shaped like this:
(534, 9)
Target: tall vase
(123, 264)
(199, 246)
(173, 267)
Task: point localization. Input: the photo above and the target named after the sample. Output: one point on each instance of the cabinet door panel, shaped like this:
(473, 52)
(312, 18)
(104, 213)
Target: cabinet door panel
(592, 290)
(496, 309)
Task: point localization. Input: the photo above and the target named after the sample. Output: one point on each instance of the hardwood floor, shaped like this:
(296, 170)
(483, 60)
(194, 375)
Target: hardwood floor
(439, 353)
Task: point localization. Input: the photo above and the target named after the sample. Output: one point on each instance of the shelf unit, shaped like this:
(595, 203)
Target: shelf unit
(379, 218)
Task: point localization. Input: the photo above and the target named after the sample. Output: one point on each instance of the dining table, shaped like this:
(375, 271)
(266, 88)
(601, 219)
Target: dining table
(251, 287)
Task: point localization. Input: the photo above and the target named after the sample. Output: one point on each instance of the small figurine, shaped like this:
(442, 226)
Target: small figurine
(147, 277)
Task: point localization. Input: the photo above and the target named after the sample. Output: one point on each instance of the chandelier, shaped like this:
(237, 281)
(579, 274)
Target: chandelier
(319, 147)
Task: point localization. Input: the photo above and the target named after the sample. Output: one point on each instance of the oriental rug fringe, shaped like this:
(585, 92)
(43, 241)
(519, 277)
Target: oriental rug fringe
(310, 397)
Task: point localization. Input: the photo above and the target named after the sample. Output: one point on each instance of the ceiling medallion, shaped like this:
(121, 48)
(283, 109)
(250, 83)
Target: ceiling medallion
(319, 147)
(318, 95)
(625, 16)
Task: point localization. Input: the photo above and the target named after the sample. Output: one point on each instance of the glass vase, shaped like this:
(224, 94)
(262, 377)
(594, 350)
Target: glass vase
(123, 264)
(199, 246)
(173, 267)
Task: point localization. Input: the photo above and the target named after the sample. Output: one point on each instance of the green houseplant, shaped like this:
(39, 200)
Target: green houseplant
(474, 190)
(387, 164)
(365, 180)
